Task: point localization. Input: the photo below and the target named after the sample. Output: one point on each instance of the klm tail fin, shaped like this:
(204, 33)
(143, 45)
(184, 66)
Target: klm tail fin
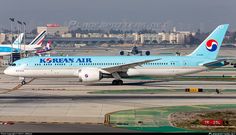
(210, 47)
(18, 40)
(39, 39)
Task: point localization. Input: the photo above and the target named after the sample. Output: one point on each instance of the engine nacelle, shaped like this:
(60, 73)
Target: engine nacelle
(147, 53)
(122, 52)
(89, 74)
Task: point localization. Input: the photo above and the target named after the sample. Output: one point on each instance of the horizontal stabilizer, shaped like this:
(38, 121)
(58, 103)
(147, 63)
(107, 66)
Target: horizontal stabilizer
(213, 62)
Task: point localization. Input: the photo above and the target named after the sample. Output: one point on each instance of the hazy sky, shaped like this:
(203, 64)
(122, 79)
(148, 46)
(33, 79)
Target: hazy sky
(198, 13)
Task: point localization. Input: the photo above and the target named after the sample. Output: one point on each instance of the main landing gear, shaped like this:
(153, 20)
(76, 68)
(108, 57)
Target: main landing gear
(117, 82)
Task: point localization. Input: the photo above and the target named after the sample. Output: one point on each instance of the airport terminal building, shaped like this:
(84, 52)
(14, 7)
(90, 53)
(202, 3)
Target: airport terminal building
(53, 29)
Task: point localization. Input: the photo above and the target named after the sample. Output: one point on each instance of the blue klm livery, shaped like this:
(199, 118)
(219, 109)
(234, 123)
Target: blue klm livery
(94, 68)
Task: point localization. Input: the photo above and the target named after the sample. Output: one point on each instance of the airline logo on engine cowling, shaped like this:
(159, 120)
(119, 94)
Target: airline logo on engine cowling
(65, 60)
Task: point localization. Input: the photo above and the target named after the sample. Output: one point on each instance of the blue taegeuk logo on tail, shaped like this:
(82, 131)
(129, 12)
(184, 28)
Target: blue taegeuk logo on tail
(211, 45)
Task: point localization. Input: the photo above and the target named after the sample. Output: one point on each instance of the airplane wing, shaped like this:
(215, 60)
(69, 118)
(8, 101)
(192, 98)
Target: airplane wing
(125, 67)
(166, 48)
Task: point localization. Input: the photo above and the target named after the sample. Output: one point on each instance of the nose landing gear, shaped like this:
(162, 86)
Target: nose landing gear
(22, 79)
(23, 82)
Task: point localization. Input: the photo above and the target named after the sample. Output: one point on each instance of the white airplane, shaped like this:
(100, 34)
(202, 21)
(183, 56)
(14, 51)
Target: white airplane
(17, 46)
(18, 39)
(44, 50)
(135, 51)
(6, 49)
(95, 68)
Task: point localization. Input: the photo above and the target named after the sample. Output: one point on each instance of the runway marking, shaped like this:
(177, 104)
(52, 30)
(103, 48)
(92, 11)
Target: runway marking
(55, 122)
(13, 89)
(31, 80)
(134, 97)
(16, 87)
(200, 107)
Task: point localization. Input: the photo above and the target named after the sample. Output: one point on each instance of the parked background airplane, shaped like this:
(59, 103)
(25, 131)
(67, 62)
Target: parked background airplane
(95, 68)
(17, 46)
(18, 40)
(45, 49)
(35, 43)
(6, 49)
(134, 51)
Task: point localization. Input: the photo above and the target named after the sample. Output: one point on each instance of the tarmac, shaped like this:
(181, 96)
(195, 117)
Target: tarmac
(65, 100)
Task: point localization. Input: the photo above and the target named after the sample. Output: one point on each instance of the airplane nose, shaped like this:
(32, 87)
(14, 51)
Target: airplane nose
(6, 71)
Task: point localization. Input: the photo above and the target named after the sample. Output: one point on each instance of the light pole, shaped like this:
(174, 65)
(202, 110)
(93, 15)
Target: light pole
(19, 30)
(24, 38)
(12, 21)
(24, 31)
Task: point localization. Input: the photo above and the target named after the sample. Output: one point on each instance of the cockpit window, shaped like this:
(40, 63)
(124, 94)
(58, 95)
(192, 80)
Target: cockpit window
(13, 64)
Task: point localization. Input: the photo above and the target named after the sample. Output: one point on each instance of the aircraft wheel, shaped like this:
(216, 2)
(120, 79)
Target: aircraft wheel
(117, 82)
(23, 82)
(114, 82)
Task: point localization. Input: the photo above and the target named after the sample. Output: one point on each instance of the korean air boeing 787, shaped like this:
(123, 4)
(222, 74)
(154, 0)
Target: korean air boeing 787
(94, 68)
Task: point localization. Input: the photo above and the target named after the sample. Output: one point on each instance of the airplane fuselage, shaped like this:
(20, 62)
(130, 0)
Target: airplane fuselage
(69, 66)
(94, 68)
(8, 49)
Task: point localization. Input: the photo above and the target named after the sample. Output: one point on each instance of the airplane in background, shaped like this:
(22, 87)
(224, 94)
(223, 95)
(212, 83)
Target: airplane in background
(36, 43)
(94, 68)
(45, 49)
(6, 49)
(134, 51)
(18, 39)
(17, 46)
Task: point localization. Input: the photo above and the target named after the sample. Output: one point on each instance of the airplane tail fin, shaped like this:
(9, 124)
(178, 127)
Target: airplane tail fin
(39, 39)
(18, 39)
(48, 45)
(210, 47)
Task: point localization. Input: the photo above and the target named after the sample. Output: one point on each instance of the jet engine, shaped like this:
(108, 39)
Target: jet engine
(147, 53)
(89, 74)
(122, 52)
